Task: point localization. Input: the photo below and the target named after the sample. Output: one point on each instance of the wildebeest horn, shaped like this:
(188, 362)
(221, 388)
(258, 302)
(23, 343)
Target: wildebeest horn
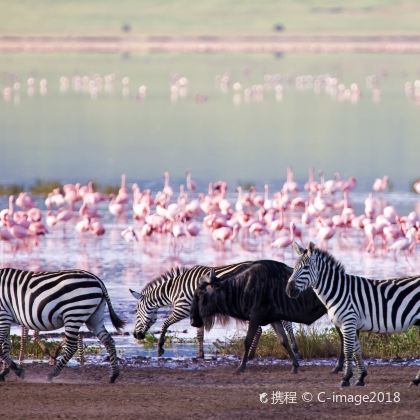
(299, 250)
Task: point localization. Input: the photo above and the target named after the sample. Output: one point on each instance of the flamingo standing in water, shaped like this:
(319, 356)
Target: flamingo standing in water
(285, 241)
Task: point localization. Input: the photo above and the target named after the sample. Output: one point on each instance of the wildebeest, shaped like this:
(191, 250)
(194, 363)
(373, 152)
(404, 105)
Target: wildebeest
(256, 294)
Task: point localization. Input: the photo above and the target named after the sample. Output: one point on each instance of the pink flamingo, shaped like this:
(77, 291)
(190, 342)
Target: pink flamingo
(129, 235)
(285, 241)
(122, 196)
(325, 233)
(381, 184)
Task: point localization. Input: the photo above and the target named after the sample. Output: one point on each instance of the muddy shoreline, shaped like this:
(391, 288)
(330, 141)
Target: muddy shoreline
(144, 392)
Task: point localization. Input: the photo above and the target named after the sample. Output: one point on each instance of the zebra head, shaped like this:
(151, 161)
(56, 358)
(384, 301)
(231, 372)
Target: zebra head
(304, 273)
(145, 316)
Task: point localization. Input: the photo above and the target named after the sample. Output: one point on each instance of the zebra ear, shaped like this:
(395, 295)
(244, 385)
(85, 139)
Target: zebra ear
(136, 295)
(299, 250)
(311, 247)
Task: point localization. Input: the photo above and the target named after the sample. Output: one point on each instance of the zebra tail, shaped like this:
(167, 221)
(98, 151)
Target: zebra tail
(117, 322)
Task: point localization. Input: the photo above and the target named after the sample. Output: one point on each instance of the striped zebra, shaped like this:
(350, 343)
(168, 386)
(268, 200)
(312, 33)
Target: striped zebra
(45, 301)
(176, 287)
(356, 303)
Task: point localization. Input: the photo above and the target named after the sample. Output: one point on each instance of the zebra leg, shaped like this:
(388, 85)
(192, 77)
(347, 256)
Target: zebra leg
(252, 330)
(70, 346)
(254, 344)
(23, 342)
(172, 319)
(200, 341)
(288, 326)
(96, 325)
(5, 348)
(416, 380)
(281, 334)
(349, 338)
(340, 361)
(362, 371)
(105, 338)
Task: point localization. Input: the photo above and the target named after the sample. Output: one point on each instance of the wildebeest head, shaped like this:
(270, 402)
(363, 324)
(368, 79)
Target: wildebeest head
(304, 273)
(203, 306)
(146, 315)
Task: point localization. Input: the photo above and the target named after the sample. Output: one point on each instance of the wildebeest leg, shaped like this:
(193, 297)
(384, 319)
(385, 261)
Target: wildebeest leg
(254, 344)
(281, 334)
(288, 326)
(340, 361)
(252, 330)
(200, 342)
(172, 319)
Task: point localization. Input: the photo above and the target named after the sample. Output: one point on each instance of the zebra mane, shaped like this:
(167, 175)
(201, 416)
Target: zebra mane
(329, 259)
(166, 276)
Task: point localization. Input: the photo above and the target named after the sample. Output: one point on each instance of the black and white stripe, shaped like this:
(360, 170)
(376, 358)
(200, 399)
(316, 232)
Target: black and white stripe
(176, 288)
(45, 301)
(357, 303)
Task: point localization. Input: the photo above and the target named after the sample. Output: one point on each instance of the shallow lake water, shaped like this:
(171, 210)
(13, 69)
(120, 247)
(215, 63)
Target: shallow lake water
(125, 266)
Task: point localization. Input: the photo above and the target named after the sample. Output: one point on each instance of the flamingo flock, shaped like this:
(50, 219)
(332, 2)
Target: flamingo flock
(319, 210)
(273, 85)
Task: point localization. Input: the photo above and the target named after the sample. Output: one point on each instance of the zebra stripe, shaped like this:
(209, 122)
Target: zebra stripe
(176, 287)
(357, 303)
(45, 301)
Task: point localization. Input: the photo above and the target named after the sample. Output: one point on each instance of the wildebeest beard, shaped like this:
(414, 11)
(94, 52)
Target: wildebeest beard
(208, 321)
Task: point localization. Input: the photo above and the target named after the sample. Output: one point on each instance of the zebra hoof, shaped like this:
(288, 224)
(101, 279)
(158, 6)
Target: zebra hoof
(295, 369)
(50, 377)
(113, 377)
(4, 374)
(20, 372)
(345, 383)
(200, 355)
(415, 382)
(161, 352)
(239, 370)
(360, 382)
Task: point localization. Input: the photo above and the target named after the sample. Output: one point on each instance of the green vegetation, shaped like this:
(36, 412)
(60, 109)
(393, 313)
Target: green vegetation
(34, 351)
(208, 17)
(42, 188)
(314, 343)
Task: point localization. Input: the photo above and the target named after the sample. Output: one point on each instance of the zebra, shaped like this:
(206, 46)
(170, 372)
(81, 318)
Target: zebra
(176, 287)
(45, 301)
(356, 303)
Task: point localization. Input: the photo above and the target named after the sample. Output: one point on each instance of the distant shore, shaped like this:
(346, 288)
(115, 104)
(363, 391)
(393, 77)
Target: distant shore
(213, 44)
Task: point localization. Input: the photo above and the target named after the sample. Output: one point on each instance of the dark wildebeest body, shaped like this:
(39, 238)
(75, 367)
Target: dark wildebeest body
(257, 294)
